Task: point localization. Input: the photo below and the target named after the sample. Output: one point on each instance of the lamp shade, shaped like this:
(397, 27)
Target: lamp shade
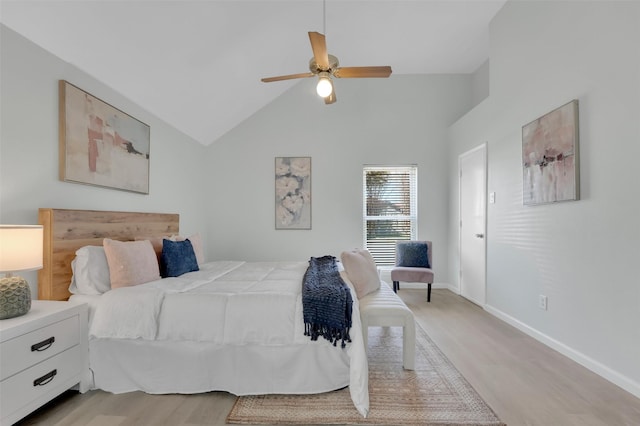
(20, 247)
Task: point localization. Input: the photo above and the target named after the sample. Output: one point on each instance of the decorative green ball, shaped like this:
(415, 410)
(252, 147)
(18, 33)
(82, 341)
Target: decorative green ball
(15, 297)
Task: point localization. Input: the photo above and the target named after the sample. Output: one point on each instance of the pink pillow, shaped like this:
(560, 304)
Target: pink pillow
(156, 242)
(131, 262)
(362, 271)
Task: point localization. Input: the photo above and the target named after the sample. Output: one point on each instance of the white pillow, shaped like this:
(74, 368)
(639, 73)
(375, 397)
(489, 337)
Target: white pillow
(198, 249)
(361, 270)
(90, 271)
(196, 242)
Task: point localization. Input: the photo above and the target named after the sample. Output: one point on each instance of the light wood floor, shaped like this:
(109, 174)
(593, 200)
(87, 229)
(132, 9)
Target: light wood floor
(525, 382)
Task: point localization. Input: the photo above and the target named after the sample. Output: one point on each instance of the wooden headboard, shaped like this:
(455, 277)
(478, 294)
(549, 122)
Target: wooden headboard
(65, 231)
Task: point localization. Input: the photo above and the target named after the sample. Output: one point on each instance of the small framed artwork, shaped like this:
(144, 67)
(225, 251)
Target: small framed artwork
(293, 192)
(550, 167)
(101, 145)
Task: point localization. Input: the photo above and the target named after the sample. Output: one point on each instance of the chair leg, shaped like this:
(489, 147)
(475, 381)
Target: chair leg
(396, 286)
(429, 292)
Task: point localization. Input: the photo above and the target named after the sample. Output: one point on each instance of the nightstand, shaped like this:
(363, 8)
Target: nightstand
(42, 354)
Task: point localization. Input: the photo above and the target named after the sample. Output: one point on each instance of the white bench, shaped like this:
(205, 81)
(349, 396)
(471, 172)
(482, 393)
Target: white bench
(385, 308)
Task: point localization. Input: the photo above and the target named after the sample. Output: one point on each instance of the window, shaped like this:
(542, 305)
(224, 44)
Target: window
(390, 210)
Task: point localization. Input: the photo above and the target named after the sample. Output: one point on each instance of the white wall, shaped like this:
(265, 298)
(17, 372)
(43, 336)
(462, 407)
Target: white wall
(29, 147)
(396, 121)
(480, 89)
(581, 254)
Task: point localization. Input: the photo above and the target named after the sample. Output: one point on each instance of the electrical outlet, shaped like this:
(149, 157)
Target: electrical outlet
(542, 302)
(492, 198)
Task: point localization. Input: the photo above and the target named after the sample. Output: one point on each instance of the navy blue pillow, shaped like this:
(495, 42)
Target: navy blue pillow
(178, 258)
(413, 254)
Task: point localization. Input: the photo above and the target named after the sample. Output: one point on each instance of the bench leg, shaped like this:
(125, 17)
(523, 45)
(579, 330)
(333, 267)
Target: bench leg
(409, 345)
(429, 293)
(365, 335)
(396, 286)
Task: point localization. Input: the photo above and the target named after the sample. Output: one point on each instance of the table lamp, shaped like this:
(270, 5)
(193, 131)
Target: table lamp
(20, 250)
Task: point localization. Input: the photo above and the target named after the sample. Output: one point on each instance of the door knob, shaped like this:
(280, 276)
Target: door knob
(479, 235)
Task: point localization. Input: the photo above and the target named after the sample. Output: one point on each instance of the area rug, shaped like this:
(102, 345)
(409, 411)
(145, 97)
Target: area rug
(434, 394)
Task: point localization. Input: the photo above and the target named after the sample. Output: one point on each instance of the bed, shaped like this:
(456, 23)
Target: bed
(230, 326)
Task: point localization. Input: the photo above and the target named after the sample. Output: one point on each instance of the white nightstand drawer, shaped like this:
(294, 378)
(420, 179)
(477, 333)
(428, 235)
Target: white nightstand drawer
(52, 375)
(24, 351)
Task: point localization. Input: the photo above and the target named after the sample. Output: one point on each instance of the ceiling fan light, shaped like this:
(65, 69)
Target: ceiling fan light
(324, 87)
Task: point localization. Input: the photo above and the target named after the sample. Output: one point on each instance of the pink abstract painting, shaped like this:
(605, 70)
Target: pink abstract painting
(101, 145)
(550, 157)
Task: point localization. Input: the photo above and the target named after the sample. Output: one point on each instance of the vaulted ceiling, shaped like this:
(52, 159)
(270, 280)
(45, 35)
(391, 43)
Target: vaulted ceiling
(197, 64)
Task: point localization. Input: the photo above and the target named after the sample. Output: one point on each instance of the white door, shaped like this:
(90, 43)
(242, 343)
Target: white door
(473, 185)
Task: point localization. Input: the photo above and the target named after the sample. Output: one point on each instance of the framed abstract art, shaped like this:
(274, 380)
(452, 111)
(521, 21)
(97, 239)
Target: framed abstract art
(101, 145)
(293, 192)
(550, 167)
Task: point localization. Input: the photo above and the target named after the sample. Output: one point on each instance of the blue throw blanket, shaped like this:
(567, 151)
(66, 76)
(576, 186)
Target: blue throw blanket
(326, 301)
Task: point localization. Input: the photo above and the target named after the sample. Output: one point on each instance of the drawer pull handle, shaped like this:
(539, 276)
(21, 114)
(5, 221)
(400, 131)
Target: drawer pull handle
(45, 379)
(44, 345)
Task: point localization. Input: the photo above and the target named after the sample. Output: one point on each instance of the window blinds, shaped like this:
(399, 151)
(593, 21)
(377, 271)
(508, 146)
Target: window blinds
(390, 209)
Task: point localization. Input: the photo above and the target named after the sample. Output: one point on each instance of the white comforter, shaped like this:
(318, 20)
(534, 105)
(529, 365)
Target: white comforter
(226, 303)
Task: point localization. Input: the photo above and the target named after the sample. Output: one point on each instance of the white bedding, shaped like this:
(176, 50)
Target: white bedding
(231, 326)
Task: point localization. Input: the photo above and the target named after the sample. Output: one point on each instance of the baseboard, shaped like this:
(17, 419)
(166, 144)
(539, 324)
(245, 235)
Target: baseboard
(600, 369)
(453, 288)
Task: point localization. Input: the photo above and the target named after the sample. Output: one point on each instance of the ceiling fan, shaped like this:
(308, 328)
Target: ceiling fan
(325, 66)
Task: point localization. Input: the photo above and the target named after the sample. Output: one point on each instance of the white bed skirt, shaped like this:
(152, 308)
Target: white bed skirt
(193, 367)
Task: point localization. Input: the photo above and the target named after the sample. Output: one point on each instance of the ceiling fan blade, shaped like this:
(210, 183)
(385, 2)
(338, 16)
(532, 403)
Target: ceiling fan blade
(331, 98)
(363, 72)
(319, 47)
(286, 77)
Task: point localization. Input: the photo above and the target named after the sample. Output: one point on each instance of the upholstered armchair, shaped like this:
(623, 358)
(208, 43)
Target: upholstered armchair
(413, 264)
